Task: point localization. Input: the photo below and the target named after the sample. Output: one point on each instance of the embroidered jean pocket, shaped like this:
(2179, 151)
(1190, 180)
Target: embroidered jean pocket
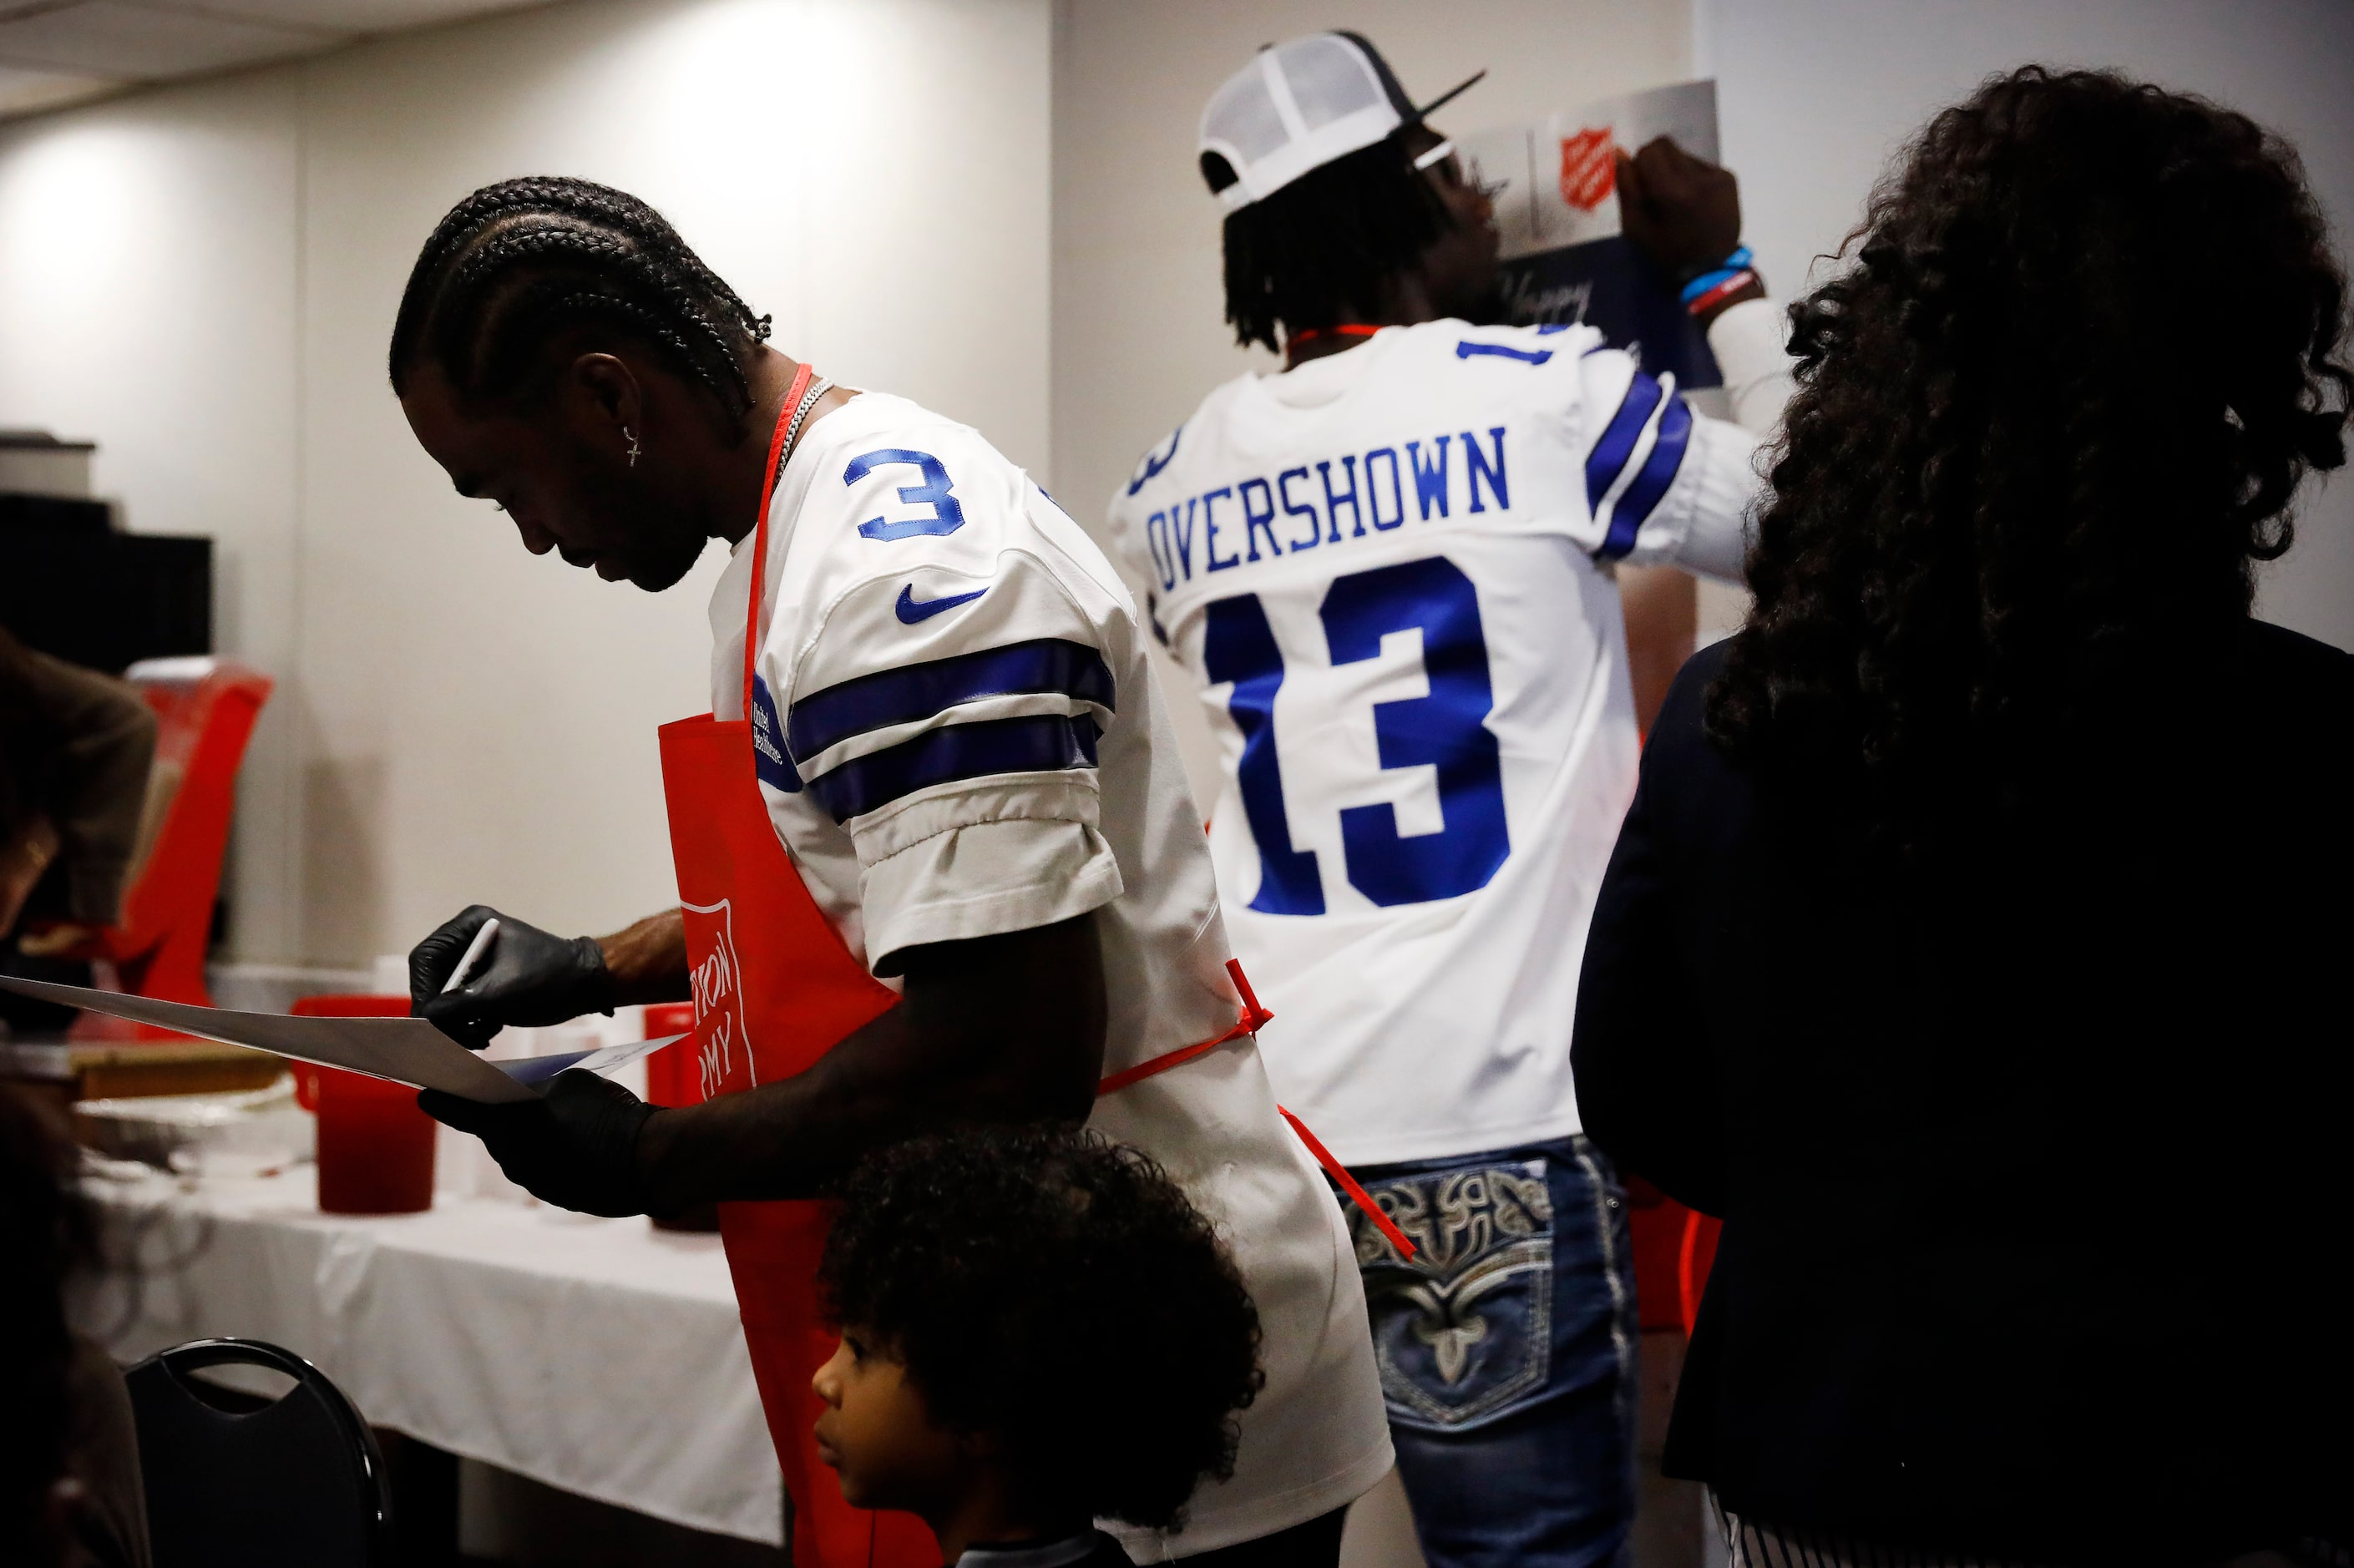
(1464, 1330)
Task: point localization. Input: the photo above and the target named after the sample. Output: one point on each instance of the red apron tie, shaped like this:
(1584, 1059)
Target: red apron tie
(1253, 1019)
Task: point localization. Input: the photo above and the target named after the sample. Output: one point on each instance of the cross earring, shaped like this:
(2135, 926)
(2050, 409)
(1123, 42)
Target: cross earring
(633, 445)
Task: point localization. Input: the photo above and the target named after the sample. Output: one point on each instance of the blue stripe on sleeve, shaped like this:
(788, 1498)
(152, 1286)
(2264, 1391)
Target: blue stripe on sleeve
(917, 692)
(1032, 743)
(1642, 497)
(1618, 443)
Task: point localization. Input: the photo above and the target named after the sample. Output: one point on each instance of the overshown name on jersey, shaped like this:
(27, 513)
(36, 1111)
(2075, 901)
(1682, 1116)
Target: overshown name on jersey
(1329, 501)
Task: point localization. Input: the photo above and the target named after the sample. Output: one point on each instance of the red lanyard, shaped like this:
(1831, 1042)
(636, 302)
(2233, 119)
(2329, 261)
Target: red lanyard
(793, 396)
(1346, 329)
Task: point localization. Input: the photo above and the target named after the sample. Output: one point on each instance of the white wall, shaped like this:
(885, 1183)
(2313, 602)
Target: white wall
(203, 281)
(147, 289)
(1816, 95)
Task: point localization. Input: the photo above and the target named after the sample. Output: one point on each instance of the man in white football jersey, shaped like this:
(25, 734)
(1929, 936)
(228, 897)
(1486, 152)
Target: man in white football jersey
(931, 689)
(1390, 569)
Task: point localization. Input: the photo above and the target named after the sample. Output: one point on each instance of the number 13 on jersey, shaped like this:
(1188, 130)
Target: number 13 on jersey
(1445, 731)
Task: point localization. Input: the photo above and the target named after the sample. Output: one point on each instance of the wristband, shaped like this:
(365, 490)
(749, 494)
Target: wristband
(1732, 284)
(1736, 263)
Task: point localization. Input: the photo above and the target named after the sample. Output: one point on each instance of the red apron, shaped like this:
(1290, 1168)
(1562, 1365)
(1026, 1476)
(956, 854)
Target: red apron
(774, 989)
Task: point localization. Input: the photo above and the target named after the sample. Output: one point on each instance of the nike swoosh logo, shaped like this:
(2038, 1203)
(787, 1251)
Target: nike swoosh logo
(911, 611)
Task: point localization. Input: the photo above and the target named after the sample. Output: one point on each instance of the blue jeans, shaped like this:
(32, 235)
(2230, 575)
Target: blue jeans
(1507, 1352)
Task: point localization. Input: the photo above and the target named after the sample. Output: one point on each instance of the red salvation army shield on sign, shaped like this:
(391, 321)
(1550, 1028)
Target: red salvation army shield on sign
(1589, 170)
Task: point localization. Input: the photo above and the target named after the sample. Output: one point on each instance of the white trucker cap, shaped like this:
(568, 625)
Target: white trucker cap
(1297, 107)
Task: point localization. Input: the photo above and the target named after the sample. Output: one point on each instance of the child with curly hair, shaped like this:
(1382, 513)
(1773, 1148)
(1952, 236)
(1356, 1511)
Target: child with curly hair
(1038, 1330)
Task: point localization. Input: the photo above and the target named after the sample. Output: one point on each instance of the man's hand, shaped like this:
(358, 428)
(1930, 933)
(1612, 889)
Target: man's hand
(574, 1147)
(1008, 1028)
(1682, 213)
(528, 977)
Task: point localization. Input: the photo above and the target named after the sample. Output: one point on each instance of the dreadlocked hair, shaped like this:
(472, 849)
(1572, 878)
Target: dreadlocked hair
(1325, 242)
(2053, 408)
(517, 263)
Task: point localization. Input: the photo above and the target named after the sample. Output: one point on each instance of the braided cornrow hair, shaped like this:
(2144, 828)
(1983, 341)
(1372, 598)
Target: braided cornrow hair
(517, 263)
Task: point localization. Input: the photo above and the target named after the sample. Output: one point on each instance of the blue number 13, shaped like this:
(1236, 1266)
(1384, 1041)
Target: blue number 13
(1445, 731)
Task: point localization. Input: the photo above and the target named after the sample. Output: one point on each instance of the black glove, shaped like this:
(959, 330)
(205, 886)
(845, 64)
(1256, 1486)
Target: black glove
(576, 1146)
(528, 978)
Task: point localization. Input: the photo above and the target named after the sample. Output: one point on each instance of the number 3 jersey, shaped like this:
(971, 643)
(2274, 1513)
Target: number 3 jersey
(956, 735)
(1389, 572)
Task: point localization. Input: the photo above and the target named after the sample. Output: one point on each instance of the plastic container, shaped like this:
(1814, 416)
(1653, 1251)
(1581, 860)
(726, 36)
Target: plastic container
(238, 1132)
(375, 1147)
(674, 1077)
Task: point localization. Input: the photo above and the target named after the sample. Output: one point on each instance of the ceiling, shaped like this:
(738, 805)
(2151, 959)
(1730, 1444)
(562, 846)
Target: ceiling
(54, 52)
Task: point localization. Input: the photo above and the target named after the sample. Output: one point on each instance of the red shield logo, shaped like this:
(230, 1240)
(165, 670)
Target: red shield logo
(719, 1033)
(1589, 168)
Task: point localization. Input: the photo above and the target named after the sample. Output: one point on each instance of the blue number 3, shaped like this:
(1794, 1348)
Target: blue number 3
(947, 512)
(1445, 731)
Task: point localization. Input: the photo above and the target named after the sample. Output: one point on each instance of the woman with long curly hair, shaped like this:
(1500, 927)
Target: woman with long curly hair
(1973, 946)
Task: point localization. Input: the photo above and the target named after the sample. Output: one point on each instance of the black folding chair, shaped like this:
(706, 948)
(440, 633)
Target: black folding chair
(232, 1478)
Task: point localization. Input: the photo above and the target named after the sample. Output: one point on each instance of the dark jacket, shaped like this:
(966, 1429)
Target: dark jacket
(2035, 1173)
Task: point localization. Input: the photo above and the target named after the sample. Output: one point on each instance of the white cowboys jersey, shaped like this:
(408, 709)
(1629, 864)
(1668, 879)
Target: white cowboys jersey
(957, 735)
(1388, 570)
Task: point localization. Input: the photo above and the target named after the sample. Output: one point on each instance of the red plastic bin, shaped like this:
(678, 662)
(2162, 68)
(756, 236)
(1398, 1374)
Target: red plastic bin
(674, 1077)
(671, 1073)
(375, 1147)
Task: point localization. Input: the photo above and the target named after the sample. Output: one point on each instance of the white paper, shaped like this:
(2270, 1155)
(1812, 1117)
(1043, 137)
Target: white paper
(403, 1050)
(601, 1062)
(1555, 184)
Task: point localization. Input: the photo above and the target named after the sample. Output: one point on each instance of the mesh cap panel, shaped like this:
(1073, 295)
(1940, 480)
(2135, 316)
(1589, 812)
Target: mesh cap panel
(1246, 118)
(1328, 79)
(1294, 108)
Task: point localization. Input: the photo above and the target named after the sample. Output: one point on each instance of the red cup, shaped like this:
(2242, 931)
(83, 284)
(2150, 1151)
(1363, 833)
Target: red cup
(375, 1147)
(672, 1074)
(674, 1077)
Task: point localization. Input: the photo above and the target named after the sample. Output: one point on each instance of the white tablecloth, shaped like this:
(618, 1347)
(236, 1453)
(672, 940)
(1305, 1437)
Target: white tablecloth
(600, 1356)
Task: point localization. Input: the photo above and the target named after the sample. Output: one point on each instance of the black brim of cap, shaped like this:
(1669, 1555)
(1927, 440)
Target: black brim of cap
(1451, 94)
